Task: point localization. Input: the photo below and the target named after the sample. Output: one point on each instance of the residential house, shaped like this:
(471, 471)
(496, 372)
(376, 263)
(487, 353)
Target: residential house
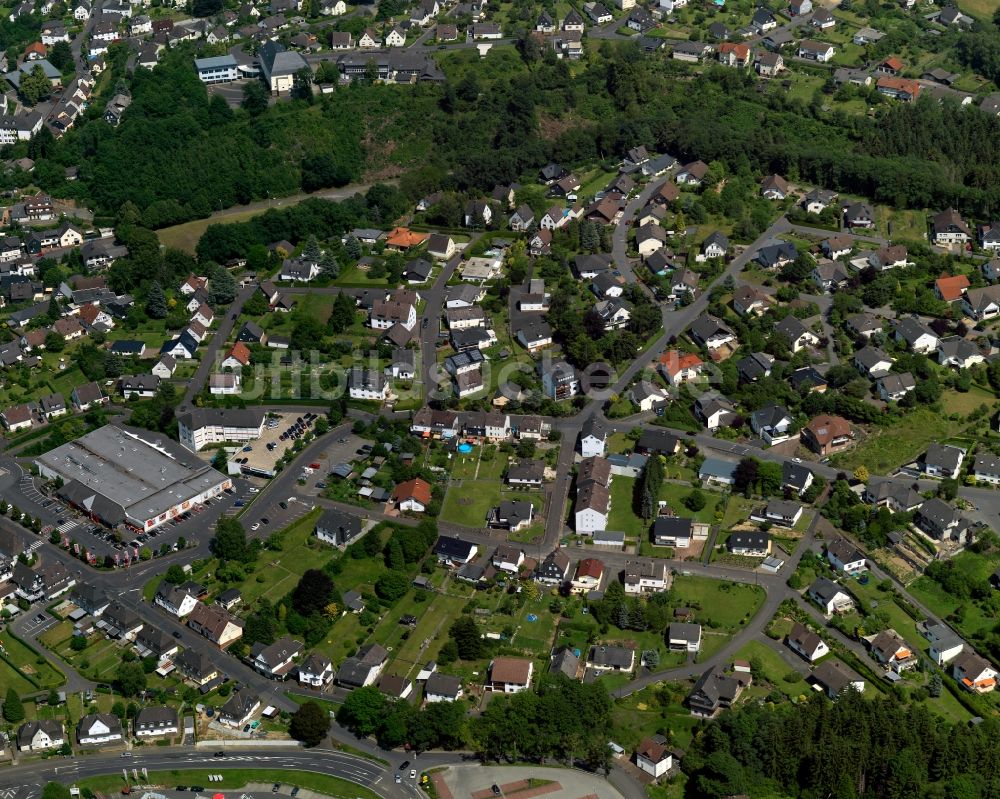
(714, 410)
(96, 729)
(215, 623)
(826, 434)
(816, 51)
(830, 596)
(845, 557)
(364, 667)
(645, 577)
(315, 671)
(974, 673)
(749, 544)
(982, 303)
(239, 708)
(413, 495)
(510, 675)
(941, 521)
(602, 658)
(834, 678)
(554, 570)
(276, 660)
(751, 301)
(153, 722)
(714, 691)
(917, 337)
(654, 757)
(950, 288)
(772, 423)
(680, 367)
(40, 735)
(799, 336)
(890, 650)
(872, 362)
(677, 532)
(442, 688)
(943, 460)
(684, 637)
(589, 573)
(893, 387)
(986, 468)
(949, 228)
(795, 477)
(859, 215)
(453, 551)
(806, 643)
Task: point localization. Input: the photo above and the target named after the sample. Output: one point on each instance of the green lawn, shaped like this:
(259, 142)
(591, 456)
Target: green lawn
(30, 664)
(886, 448)
(673, 494)
(237, 778)
(966, 402)
(974, 622)
(718, 604)
(622, 517)
(775, 670)
(898, 619)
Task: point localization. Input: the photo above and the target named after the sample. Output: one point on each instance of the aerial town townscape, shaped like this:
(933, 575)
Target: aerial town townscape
(491, 398)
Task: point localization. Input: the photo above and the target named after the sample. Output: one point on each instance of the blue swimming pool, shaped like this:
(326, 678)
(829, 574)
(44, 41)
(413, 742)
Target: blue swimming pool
(464, 448)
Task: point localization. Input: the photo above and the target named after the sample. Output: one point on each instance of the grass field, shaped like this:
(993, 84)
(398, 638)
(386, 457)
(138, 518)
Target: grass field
(719, 604)
(29, 663)
(965, 403)
(886, 448)
(470, 502)
(624, 519)
(185, 237)
(775, 670)
(238, 778)
(974, 622)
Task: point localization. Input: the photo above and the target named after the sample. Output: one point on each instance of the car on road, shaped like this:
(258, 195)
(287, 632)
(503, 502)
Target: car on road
(220, 753)
(176, 634)
(399, 778)
(404, 765)
(283, 505)
(255, 526)
(320, 485)
(265, 520)
(239, 503)
(276, 787)
(295, 791)
(413, 773)
(126, 754)
(425, 322)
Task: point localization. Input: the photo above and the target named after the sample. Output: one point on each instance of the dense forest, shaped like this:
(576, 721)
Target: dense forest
(856, 747)
(180, 155)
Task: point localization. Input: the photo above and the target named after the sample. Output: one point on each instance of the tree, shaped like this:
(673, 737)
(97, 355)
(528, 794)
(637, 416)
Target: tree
(222, 286)
(695, 501)
(313, 592)
(394, 555)
(156, 302)
(647, 488)
(54, 342)
(342, 314)
(35, 86)
(206, 8)
(861, 474)
(230, 542)
(309, 724)
(307, 333)
(745, 475)
(302, 85)
(328, 266)
(255, 98)
(391, 585)
(362, 711)
(468, 638)
(130, 678)
(311, 251)
(60, 56)
(13, 710)
(175, 574)
(353, 248)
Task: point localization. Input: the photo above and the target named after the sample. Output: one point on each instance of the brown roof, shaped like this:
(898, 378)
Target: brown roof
(594, 470)
(416, 488)
(239, 351)
(652, 750)
(590, 567)
(511, 670)
(824, 428)
(950, 287)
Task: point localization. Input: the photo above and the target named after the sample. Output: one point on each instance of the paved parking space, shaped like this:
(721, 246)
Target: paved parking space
(277, 517)
(38, 624)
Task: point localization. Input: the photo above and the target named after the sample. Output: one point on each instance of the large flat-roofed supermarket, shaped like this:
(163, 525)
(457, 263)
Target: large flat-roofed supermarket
(122, 475)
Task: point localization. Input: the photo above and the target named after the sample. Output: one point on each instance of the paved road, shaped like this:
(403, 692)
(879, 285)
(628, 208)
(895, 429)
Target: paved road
(777, 591)
(218, 340)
